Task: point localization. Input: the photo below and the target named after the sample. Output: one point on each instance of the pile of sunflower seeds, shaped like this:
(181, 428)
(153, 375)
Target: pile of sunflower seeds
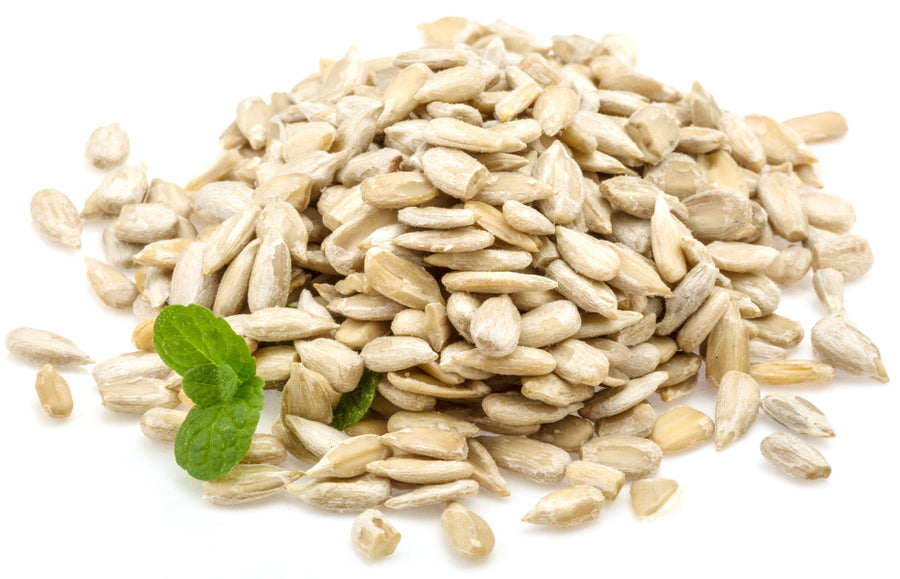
(526, 240)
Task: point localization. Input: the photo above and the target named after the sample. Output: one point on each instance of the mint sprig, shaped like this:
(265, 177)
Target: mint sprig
(219, 376)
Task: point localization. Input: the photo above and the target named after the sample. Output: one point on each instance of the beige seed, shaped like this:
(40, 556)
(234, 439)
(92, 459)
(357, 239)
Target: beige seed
(781, 143)
(792, 372)
(430, 442)
(56, 217)
(636, 421)
(397, 190)
(270, 277)
(587, 255)
(128, 366)
(162, 423)
(393, 353)
(737, 405)
(53, 392)
(797, 413)
(537, 461)
(654, 130)
(848, 253)
(505, 186)
(818, 127)
(434, 494)
(676, 391)
(107, 147)
(365, 307)
(650, 497)
(345, 494)
(522, 361)
(828, 212)
(568, 433)
(580, 363)
(137, 395)
(526, 219)
(447, 132)
(687, 297)
(829, 286)
(612, 401)
(496, 282)
(765, 352)
(461, 239)
(778, 330)
(553, 390)
(119, 188)
(549, 323)
(340, 365)
(41, 347)
(794, 457)
(248, 482)
(790, 265)
(280, 324)
(567, 507)
(681, 428)
(315, 437)
(420, 470)
(308, 394)
(482, 260)
(727, 347)
(469, 534)
(495, 327)
(373, 535)
(454, 172)
(837, 341)
(264, 449)
(588, 294)
(635, 457)
(350, 457)
(112, 286)
(401, 280)
(436, 217)
(516, 410)
(719, 214)
(665, 235)
(486, 472)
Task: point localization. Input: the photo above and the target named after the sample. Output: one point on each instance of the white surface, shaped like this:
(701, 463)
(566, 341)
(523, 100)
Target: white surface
(90, 493)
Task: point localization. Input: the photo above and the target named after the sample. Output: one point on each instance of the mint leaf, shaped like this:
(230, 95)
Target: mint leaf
(353, 405)
(189, 336)
(210, 384)
(219, 376)
(212, 439)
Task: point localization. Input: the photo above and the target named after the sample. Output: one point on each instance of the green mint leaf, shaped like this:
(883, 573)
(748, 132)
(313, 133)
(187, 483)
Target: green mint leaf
(353, 405)
(189, 336)
(212, 439)
(210, 384)
(251, 393)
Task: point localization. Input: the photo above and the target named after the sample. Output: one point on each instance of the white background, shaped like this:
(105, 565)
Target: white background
(91, 494)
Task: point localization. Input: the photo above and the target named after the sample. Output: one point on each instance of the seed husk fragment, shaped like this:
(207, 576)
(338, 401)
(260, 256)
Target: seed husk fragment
(567, 507)
(681, 428)
(373, 535)
(794, 457)
(650, 497)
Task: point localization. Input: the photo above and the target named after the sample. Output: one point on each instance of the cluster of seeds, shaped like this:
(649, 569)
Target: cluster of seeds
(527, 241)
